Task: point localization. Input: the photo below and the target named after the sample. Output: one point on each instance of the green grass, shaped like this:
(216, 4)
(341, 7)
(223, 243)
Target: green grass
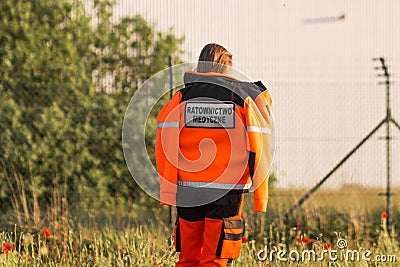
(143, 247)
(322, 219)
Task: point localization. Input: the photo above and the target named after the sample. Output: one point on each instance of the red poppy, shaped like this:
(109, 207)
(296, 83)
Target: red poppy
(384, 215)
(46, 233)
(304, 240)
(154, 234)
(154, 262)
(7, 248)
(244, 240)
(327, 246)
(297, 224)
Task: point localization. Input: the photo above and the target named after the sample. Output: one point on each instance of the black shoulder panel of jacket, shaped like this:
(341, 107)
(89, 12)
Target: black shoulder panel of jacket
(221, 88)
(261, 86)
(251, 89)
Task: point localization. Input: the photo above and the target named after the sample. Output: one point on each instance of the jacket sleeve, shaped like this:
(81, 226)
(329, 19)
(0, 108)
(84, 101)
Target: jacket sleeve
(259, 132)
(167, 149)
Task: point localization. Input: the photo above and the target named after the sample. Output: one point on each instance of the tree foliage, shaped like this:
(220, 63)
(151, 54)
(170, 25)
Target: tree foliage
(67, 74)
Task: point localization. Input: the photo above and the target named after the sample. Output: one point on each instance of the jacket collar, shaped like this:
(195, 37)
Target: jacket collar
(193, 76)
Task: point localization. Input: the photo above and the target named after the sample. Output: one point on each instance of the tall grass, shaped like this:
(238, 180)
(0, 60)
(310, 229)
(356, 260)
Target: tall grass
(317, 226)
(143, 246)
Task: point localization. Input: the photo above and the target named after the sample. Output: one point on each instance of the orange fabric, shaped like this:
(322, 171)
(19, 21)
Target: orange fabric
(167, 145)
(212, 233)
(264, 103)
(191, 234)
(260, 143)
(233, 231)
(231, 249)
(215, 155)
(199, 242)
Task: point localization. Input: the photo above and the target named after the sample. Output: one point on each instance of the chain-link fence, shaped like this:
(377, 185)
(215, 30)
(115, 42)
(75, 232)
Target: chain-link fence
(321, 76)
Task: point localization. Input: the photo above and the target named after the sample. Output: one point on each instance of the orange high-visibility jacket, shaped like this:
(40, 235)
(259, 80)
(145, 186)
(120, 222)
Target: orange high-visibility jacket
(215, 133)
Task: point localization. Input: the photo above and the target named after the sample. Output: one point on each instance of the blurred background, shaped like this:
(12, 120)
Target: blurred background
(68, 69)
(316, 58)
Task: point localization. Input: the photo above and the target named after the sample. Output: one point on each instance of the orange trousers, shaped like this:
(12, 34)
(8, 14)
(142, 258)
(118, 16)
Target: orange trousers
(210, 235)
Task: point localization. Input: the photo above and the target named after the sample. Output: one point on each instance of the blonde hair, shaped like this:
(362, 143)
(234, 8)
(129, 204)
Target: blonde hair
(214, 58)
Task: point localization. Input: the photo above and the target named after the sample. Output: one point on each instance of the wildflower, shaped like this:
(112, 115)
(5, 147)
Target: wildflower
(154, 262)
(7, 248)
(304, 240)
(28, 257)
(118, 247)
(244, 240)
(384, 215)
(154, 234)
(46, 233)
(297, 224)
(327, 246)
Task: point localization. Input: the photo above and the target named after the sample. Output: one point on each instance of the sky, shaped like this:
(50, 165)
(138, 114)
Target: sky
(321, 75)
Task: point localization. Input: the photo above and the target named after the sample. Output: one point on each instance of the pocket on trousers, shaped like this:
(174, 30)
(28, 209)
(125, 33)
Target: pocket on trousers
(177, 236)
(230, 241)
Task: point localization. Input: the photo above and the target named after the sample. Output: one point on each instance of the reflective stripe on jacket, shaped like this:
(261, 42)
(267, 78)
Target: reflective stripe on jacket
(215, 133)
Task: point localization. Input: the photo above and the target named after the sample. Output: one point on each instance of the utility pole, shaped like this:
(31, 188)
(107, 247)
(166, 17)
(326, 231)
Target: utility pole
(387, 120)
(388, 138)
